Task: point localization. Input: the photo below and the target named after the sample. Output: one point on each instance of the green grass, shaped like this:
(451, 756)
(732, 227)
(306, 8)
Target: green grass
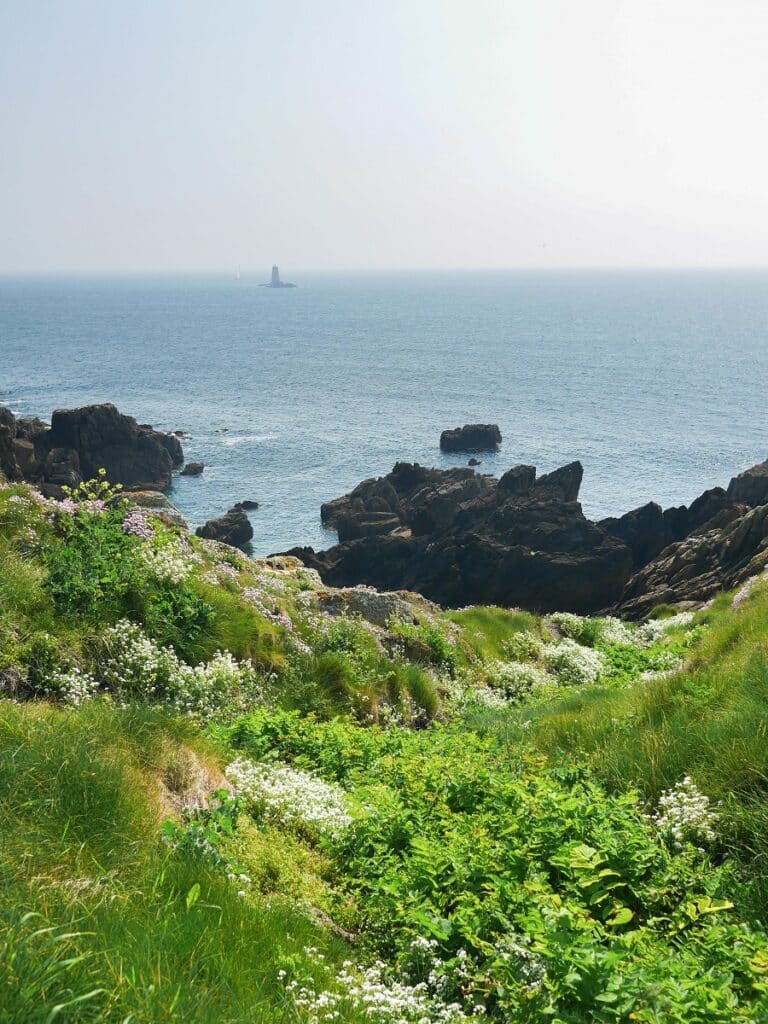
(95, 913)
(485, 629)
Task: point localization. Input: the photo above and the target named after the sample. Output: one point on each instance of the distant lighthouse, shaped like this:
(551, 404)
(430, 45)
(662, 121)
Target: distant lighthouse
(276, 282)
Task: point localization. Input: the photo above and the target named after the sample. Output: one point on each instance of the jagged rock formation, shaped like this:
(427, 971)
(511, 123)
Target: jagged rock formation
(234, 528)
(472, 437)
(460, 538)
(80, 442)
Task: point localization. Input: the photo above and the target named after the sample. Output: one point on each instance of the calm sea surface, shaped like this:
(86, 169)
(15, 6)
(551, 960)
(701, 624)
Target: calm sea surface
(656, 381)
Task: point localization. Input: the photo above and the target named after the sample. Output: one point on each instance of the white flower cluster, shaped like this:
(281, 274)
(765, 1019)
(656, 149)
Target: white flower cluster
(168, 563)
(614, 631)
(685, 815)
(573, 664)
(372, 992)
(290, 797)
(567, 624)
(515, 949)
(523, 646)
(516, 679)
(72, 686)
(136, 665)
(652, 630)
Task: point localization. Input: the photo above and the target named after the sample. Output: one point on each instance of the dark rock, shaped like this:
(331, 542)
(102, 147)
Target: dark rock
(676, 522)
(26, 460)
(137, 457)
(182, 434)
(708, 505)
(61, 469)
(751, 486)
(472, 437)
(193, 469)
(9, 468)
(457, 537)
(563, 483)
(234, 528)
(518, 480)
(643, 531)
(248, 504)
(474, 462)
(29, 428)
(722, 553)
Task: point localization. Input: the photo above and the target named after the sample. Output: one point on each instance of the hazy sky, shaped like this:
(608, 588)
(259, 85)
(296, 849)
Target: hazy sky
(202, 134)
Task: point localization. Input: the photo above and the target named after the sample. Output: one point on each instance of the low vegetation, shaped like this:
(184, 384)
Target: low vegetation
(224, 798)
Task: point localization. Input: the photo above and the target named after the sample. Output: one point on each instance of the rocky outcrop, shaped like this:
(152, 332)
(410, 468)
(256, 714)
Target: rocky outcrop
(751, 486)
(722, 553)
(472, 437)
(460, 538)
(80, 442)
(9, 468)
(138, 457)
(193, 469)
(234, 528)
(156, 503)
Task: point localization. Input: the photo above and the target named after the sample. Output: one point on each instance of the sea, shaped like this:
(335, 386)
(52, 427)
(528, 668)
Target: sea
(655, 380)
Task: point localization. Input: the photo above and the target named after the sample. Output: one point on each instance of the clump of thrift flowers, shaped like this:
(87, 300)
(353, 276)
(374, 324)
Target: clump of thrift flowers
(137, 524)
(685, 815)
(291, 798)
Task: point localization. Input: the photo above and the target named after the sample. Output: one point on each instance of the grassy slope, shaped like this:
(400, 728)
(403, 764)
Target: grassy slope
(103, 920)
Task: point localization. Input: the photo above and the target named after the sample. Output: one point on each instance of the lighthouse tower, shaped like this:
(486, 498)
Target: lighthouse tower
(276, 282)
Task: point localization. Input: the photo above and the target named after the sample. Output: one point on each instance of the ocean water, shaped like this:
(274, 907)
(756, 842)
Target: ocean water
(655, 380)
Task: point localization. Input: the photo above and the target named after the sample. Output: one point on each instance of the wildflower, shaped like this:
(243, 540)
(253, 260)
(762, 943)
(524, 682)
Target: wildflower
(290, 797)
(685, 815)
(572, 664)
(137, 524)
(72, 686)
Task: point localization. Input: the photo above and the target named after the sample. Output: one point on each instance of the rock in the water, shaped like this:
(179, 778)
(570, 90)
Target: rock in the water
(193, 469)
(474, 462)
(102, 437)
(234, 528)
(472, 437)
(248, 504)
(751, 486)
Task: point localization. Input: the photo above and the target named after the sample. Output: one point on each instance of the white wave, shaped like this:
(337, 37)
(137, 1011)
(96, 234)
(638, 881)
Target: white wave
(231, 439)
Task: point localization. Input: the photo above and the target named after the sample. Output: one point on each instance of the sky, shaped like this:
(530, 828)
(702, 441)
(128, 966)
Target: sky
(199, 135)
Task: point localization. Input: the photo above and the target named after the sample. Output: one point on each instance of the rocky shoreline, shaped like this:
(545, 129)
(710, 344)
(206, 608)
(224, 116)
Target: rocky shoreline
(456, 536)
(459, 537)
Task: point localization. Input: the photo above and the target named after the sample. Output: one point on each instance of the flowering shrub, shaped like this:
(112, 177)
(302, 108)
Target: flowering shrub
(572, 664)
(71, 686)
(167, 563)
(290, 797)
(374, 992)
(515, 679)
(685, 815)
(568, 624)
(652, 630)
(614, 631)
(134, 665)
(524, 646)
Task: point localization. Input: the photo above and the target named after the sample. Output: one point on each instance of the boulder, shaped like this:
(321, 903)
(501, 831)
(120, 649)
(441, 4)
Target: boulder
(138, 457)
(751, 486)
(26, 460)
(193, 469)
(474, 462)
(234, 528)
(472, 437)
(248, 504)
